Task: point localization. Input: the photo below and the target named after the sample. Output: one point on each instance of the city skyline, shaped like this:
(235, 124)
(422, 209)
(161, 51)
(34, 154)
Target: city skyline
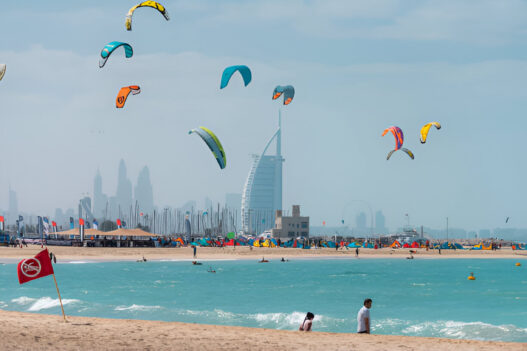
(357, 67)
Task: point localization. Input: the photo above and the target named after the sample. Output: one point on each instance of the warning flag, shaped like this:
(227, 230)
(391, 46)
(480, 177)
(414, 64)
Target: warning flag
(34, 268)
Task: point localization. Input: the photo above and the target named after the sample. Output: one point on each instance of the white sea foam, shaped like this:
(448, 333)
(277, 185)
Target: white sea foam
(78, 262)
(47, 302)
(135, 307)
(265, 320)
(23, 300)
(453, 329)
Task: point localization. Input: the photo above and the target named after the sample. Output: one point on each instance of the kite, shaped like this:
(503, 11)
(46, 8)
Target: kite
(213, 143)
(2, 70)
(152, 4)
(399, 140)
(110, 48)
(123, 94)
(397, 134)
(288, 91)
(229, 71)
(426, 129)
(408, 152)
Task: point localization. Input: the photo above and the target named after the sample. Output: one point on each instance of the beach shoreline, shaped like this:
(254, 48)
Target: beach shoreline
(105, 254)
(29, 331)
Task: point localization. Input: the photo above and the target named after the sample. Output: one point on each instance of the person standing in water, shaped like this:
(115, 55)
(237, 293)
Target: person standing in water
(307, 323)
(363, 318)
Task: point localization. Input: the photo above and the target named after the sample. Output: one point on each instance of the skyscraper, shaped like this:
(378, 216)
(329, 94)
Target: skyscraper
(262, 193)
(143, 192)
(99, 198)
(123, 197)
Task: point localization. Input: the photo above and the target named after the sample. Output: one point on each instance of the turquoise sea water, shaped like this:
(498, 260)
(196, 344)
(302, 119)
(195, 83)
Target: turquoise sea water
(410, 297)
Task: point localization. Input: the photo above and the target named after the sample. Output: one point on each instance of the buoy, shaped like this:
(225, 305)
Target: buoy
(471, 277)
(518, 264)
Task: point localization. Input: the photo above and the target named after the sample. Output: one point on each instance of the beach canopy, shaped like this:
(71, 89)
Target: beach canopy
(75, 231)
(415, 245)
(353, 245)
(406, 245)
(396, 244)
(136, 232)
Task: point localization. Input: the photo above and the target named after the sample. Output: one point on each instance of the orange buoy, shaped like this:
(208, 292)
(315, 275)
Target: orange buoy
(518, 264)
(471, 277)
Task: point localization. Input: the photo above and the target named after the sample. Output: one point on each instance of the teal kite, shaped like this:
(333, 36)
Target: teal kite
(213, 143)
(288, 91)
(229, 71)
(110, 48)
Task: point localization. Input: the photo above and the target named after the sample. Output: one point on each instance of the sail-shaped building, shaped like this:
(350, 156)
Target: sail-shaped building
(262, 193)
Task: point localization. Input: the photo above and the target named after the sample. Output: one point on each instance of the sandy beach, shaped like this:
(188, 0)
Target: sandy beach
(9, 254)
(27, 331)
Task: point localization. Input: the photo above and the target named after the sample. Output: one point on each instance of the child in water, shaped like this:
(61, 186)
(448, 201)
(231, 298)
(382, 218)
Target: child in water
(307, 323)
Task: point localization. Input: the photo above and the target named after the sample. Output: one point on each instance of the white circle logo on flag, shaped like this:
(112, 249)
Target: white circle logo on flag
(31, 267)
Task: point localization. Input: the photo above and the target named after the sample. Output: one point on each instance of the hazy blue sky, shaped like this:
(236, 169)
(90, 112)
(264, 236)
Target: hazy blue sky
(357, 66)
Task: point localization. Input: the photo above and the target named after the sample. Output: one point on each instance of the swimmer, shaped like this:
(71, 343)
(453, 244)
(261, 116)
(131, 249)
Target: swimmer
(197, 263)
(263, 260)
(284, 260)
(211, 270)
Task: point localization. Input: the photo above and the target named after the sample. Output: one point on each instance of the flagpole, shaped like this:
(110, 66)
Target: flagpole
(60, 299)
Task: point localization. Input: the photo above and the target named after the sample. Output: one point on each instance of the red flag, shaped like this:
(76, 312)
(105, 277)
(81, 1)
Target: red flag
(81, 221)
(34, 268)
(118, 222)
(53, 223)
(1, 218)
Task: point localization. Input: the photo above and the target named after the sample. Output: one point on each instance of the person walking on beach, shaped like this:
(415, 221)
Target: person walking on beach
(194, 249)
(307, 323)
(357, 252)
(363, 318)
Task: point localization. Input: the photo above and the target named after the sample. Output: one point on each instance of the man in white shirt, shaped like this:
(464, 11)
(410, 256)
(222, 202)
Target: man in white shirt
(363, 318)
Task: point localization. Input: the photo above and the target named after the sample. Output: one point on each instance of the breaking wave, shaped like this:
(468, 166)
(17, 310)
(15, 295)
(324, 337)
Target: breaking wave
(42, 303)
(135, 307)
(452, 330)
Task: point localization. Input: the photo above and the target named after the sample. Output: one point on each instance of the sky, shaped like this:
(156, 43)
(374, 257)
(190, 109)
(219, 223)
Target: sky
(358, 67)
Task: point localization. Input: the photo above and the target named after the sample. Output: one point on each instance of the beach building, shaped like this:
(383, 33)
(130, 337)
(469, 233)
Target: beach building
(262, 193)
(290, 227)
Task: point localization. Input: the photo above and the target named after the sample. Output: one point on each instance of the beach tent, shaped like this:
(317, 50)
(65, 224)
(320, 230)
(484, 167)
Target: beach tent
(367, 245)
(415, 245)
(353, 245)
(518, 247)
(481, 246)
(331, 244)
(203, 242)
(406, 245)
(458, 246)
(396, 244)
(256, 243)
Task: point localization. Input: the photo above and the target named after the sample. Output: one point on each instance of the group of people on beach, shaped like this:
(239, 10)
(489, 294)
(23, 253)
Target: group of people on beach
(363, 319)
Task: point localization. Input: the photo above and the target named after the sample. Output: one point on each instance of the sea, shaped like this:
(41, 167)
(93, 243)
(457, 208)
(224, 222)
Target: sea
(420, 297)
